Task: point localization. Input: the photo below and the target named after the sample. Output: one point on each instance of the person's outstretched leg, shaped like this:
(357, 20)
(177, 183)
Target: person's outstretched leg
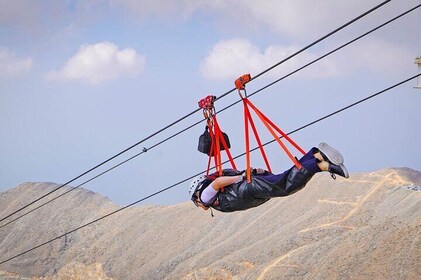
(324, 158)
(294, 179)
(334, 160)
(309, 161)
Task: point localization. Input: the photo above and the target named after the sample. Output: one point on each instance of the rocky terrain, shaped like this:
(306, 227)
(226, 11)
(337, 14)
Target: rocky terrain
(366, 227)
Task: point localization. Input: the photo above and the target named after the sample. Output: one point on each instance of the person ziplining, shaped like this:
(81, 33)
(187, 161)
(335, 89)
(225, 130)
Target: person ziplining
(229, 190)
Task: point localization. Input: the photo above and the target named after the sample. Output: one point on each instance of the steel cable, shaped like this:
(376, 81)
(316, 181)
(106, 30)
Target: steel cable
(229, 106)
(189, 178)
(189, 114)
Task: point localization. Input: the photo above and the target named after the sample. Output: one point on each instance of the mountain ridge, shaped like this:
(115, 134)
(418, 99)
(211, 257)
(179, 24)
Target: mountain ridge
(325, 231)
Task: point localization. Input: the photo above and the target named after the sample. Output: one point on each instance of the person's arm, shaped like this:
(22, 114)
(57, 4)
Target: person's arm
(214, 187)
(223, 181)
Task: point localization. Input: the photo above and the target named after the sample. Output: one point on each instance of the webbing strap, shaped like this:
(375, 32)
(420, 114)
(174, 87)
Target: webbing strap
(211, 148)
(221, 139)
(214, 151)
(246, 132)
(217, 138)
(271, 127)
(284, 135)
(256, 135)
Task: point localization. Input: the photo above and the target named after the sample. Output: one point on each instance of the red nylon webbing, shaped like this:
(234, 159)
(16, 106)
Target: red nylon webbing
(212, 152)
(246, 132)
(217, 154)
(270, 126)
(256, 135)
(224, 143)
(217, 139)
(277, 128)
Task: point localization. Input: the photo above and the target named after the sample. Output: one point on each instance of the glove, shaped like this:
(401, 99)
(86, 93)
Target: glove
(258, 171)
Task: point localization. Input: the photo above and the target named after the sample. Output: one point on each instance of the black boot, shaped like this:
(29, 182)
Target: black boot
(335, 160)
(339, 170)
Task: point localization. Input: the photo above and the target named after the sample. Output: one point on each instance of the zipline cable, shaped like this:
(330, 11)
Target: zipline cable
(186, 116)
(191, 126)
(327, 54)
(189, 178)
(99, 165)
(314, 43)
(102, 173)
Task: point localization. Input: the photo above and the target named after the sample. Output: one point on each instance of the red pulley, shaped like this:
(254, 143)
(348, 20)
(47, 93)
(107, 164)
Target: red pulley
(207, 102)
(240, 83)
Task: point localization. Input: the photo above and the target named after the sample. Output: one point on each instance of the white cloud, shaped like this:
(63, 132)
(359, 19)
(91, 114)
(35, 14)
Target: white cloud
(11, 65)
(100, 62)
(292, 18)
(231, 58)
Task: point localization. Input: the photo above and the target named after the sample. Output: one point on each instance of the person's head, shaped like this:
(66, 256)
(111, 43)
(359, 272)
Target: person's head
(194, 189)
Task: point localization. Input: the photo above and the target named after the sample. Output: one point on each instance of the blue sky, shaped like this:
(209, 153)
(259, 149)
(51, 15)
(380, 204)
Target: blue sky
(81, 81)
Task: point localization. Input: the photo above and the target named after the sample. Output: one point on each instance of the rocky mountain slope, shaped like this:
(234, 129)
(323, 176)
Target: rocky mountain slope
(366, 227)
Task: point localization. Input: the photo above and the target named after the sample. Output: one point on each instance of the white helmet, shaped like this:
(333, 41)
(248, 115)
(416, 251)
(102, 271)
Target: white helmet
(195, 184)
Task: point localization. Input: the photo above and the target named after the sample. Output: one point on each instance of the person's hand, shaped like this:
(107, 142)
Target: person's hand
(258, 171)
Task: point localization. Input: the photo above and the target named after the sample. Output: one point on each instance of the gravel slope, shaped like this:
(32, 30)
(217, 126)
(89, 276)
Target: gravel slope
(366, 227)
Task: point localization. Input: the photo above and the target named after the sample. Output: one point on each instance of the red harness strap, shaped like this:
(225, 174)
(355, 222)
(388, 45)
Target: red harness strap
(216, 135)
(221, 139)
(248, 120)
